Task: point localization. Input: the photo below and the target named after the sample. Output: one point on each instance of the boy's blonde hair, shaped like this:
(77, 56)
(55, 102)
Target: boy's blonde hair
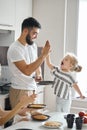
(74, 62)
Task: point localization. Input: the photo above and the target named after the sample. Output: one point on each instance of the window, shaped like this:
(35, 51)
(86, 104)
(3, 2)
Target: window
(82, 46)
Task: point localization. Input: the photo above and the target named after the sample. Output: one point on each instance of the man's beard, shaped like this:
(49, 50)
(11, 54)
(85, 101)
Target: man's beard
(29, 42)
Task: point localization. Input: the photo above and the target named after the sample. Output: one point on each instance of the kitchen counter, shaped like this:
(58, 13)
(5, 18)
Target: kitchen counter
(37, 125)
(3, 96)
(79, 104)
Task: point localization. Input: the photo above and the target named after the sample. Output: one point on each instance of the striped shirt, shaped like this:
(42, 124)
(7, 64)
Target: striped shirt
(63, 82)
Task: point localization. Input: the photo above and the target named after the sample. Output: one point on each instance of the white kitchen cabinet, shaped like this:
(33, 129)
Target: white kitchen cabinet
(2, 100)
(12, 13)
(50, 98)
(7, 14)
(40, 95)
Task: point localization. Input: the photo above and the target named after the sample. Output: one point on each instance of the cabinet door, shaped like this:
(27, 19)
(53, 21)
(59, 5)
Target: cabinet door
(40, 96)
(2, 103)
(7, 12)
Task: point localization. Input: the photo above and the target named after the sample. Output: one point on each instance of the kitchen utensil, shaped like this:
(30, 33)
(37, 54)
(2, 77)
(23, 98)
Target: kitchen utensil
(45, 82)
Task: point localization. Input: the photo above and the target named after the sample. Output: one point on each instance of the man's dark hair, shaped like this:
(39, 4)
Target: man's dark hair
(30, 22)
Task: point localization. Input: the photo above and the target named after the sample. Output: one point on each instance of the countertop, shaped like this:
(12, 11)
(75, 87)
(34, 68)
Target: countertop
(38, 125)
(3, 96)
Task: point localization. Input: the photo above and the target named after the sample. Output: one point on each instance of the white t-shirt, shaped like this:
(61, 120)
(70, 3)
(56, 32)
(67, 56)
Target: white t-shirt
(18, 52)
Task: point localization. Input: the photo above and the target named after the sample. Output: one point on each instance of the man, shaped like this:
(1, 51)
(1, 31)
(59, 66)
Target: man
(23, 62)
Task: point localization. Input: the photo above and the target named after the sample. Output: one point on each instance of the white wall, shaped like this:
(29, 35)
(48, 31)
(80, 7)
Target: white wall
(58, 19)
(51, 15)
(52, 21)
(23, 10)
(71, 26)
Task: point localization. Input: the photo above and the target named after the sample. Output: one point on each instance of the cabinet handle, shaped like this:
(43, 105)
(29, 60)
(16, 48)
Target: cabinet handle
(6, 25)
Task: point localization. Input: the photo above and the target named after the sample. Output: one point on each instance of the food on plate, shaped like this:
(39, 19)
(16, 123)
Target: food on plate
(52, 123)
(35, 113)
(37, 106)
(41, 117)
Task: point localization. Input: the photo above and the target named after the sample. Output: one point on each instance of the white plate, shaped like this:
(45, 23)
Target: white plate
(52, 127)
